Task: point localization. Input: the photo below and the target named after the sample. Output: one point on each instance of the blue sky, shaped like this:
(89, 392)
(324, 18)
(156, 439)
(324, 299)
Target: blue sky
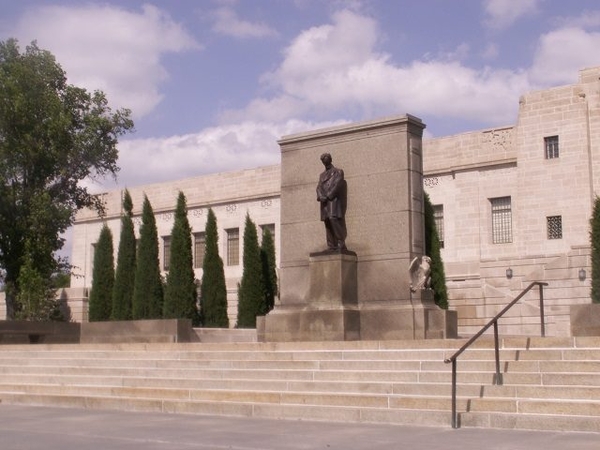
(214, 83)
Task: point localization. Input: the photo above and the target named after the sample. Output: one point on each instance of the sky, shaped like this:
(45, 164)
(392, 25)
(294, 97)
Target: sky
(213, 84)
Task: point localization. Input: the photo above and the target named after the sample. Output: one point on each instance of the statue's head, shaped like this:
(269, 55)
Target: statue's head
(326, 158)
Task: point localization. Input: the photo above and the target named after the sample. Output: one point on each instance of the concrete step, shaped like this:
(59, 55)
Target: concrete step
(342, 399)
(577, 392)
(265, 410)
(404, 382)
(521, 421)
(20, 382)
(486, 342)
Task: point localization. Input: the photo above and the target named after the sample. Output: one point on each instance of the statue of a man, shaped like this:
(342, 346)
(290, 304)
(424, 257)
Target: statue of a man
(331, 192)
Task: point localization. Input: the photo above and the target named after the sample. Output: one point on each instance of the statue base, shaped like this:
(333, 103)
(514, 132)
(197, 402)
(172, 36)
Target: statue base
(332, 311)
(417, 318)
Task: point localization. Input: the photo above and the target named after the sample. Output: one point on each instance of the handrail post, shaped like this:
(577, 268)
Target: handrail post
(454, 414)
(498, 379)
(497, 354)
(542, 320)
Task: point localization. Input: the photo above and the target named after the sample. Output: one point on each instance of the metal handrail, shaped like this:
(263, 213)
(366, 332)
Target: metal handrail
(494, 322)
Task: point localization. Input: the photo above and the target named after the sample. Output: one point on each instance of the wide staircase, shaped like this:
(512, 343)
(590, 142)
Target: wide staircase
(548, 383)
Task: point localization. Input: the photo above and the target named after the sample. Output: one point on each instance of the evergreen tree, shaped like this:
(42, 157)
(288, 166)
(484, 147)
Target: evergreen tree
(148, 288)
(269, 269)
(125, 275)
(180, 292)
(103, 277)
(251, 291)
(432, 249)
(213, 291)
(595, 248)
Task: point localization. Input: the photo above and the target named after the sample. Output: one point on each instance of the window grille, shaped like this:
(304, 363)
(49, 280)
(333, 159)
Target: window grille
(199, 249)
(233, 247)
(166, 252)
(551, 147)
(270, 227)
(554, 227)
(438, 218)
(501, 220)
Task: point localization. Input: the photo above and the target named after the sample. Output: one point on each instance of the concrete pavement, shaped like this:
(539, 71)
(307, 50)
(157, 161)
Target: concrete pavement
(33, 428)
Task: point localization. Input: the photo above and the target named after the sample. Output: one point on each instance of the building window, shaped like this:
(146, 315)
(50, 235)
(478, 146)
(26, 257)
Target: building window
(554, 227)
(501, 220)
(551, 147)
(233, 246)
(166, 252)
(199, 249)
(438, 218)
(270, 227)
(93, 255)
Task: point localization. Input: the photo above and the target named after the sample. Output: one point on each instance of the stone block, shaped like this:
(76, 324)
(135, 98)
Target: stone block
(311, 324)
(332, 279)
(165, 330)
(585, 320)
(329, 311)
(22, 332)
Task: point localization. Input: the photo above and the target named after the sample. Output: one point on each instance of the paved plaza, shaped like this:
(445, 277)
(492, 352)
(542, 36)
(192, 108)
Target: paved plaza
(32, 428)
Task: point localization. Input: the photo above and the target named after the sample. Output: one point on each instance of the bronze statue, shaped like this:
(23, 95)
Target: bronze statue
(331, 193)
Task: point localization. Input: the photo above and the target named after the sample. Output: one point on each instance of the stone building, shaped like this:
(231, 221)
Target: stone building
(231, 195)
(512, 206)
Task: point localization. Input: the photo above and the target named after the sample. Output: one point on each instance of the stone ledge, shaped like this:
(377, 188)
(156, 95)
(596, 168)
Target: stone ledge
(160, 330)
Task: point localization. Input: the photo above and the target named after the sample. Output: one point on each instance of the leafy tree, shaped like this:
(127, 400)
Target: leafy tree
(37, 295)
(103, 277)
(148, 288)
(251, 291)
(269, 269)
(595, 248)
(213, 290)
(61, 279)
(125, 275)
(432, 249)
(52, 136)
(180, 292)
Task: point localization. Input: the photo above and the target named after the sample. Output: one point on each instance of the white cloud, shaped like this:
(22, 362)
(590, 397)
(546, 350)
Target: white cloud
(491, 52)
(109, 48)
(588, 19)
(215, 149)
(228, 23)
(561, 54)
(335, 70)
(503, 13)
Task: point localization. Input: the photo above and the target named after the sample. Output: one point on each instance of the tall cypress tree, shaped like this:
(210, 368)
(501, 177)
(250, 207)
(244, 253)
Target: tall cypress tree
(103, 280)
(213, 290)
(251, 291)
(269, 269)
(180, 291)
(125, 275)
(148, 290)
(432, 249)
(595, 248)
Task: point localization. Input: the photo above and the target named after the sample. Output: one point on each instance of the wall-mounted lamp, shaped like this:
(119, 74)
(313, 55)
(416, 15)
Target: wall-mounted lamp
(582, 274)
(509, 273)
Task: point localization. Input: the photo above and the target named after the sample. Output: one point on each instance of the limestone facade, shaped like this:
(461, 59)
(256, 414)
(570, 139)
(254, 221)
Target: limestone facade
(520, 198)
(231, 196)
(513, 197)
